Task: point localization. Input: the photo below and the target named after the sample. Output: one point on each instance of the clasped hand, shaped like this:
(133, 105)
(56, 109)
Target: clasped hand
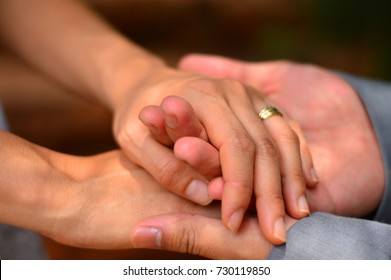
(254, 158)
(340, 137)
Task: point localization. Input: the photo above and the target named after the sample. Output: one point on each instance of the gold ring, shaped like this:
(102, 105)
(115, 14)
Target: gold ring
(268, 112)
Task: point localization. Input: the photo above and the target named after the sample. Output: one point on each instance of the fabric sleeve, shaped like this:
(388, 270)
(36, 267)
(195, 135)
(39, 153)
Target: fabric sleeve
(3, 120)
(328, 237)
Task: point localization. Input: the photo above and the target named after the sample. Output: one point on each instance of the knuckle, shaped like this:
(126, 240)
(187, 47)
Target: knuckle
(266, 149)
(296, 176)
(245, 187)
(125, 136)
(211, 91)
(270, 197)
(169, 172)
(242, 142)
(208, 86)
(186, 240)
(289, 136)
(217, 87)
(240, 90)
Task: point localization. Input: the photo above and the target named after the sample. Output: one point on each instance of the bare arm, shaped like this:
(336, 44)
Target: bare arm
(89, 202)
(29, 183)
(70, 43)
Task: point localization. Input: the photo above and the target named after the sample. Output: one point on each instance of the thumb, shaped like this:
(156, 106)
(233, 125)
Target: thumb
(212, 65)
(203, 236)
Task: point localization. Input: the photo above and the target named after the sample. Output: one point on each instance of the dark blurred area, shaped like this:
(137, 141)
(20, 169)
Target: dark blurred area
(353, 36)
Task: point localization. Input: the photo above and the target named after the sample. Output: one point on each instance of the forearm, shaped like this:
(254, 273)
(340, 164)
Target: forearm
(30, 184)
(70, 43)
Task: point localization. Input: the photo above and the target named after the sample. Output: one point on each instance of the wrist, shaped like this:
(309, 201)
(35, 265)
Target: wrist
(126, 71)
(31, 187)
(61, 198)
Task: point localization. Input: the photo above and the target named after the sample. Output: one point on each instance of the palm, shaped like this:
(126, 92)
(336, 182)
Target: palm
(338, 132)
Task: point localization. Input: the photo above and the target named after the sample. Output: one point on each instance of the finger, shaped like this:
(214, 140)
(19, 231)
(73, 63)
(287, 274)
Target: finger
(153, 118)
(172, 173)
(236, 149)
(216, 188)
(221, 67)
(267, 174)
(180, 119)
(199, 154)
(200, 235)
(310, 174)
(293, 181)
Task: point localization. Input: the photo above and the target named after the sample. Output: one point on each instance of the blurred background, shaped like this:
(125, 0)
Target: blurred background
(348, 35)
(352, 35)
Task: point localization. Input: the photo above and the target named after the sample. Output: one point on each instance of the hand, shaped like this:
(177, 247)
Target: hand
(247, 147)
(204, 236)
(89, 202)
(200, 154)
(343, 145)
(94, 60)
(107, 198)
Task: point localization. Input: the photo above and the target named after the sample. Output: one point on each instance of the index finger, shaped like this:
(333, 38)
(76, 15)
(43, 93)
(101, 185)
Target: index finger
(236, 150)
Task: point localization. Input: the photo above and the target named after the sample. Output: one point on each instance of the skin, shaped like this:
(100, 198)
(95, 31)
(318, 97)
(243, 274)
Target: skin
(340, 137)
(204, 236)
(205, 158)
(91, 202)
(65, 40)
(188, 136)
(332, 119)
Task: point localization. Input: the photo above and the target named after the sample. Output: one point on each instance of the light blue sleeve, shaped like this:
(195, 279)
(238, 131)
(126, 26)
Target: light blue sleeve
(3, 120)
(327, 237)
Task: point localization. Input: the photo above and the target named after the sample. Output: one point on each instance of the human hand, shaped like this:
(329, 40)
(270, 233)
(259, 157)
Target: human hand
(106, 198)
(82, 201)
(203, 236)
(334, 122)
(252, 152)
(196, 151)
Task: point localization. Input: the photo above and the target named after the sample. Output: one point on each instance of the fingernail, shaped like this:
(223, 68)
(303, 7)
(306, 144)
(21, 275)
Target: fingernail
(279, 229)
(153, 129)
(197, 191)
(303, 205)
(171, 121)
(235, 220)
(314, 176)
(147, 237)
